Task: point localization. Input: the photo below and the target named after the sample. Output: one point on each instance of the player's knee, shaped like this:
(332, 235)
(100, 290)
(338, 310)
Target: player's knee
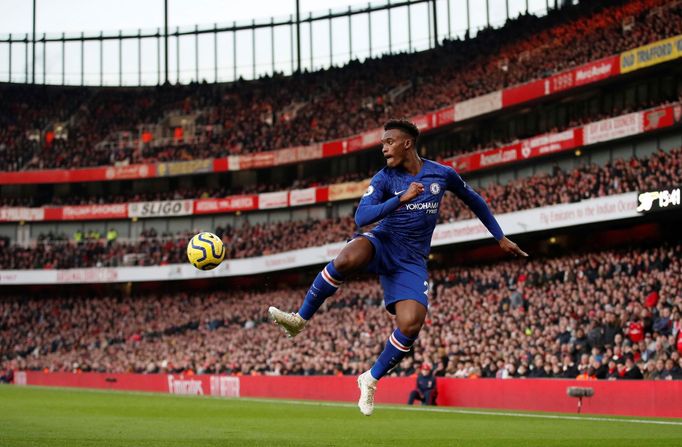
(410, 327)
(345, 263)
(352, 259)
(410, 317)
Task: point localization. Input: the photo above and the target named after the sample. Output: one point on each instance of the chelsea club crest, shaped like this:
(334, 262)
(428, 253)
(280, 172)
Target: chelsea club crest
(435, 188)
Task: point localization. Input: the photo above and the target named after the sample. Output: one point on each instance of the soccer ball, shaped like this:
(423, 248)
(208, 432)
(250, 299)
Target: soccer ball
(205, 251)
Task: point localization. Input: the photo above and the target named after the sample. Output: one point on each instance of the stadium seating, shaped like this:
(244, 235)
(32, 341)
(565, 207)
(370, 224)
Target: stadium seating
(75, 198)
(247, 117)
(590, 181)
(613, 314)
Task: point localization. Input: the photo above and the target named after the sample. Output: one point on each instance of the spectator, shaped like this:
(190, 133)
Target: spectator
(426, 390)
(662, 323)
(632, 370)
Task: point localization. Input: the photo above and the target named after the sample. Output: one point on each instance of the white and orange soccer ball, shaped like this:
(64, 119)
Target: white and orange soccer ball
(205, 251)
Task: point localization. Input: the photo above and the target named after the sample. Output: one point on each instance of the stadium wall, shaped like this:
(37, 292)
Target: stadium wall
(627, 398)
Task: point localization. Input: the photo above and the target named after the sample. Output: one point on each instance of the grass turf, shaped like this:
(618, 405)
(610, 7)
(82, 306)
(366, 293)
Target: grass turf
(70, 417)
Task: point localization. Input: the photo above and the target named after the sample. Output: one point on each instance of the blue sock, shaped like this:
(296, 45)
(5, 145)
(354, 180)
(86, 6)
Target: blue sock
(397, 346)
(325, 285)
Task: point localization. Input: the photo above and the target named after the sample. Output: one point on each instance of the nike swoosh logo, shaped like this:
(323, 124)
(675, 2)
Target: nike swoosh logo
(398, 192)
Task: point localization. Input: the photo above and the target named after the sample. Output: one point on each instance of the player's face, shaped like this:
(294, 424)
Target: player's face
(395, 145)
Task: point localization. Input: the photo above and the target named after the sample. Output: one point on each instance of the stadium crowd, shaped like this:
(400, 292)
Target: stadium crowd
(57, 251)
(609, 314)
(585, 182)
(75, 197)
(92, 127)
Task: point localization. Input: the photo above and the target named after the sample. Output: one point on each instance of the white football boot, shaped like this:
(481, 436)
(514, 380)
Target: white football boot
(368, 386)
(291, 323)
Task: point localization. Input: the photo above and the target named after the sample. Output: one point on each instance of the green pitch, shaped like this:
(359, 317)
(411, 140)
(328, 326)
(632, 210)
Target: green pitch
(61, 417)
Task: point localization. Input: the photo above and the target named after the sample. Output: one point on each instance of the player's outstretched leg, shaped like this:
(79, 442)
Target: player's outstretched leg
(325, 285)
(354, 256)
(410, 317)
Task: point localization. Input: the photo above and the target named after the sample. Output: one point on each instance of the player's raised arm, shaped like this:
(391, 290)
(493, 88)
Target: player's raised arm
(372, 206)
(482, 211)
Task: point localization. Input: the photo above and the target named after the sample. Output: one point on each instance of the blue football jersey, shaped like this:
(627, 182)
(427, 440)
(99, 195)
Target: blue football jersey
(411, 225)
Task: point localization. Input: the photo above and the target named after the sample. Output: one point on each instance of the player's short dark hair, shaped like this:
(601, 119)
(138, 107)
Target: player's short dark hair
(406, 126)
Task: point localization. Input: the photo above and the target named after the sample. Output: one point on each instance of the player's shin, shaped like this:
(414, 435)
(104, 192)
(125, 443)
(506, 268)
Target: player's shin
(397, 346)
(325, 285)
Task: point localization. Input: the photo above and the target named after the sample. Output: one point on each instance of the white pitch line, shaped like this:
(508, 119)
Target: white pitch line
(625, 419)
(471, 412)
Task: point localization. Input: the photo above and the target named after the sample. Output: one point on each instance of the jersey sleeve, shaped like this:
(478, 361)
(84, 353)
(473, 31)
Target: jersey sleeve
(456, 184)
(372, 208)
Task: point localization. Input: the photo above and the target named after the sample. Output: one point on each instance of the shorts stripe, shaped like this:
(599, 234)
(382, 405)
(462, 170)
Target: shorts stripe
(327, 277)
(399, 346)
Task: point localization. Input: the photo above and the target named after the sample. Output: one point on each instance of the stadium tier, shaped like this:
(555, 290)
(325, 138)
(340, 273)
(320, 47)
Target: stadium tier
(94, 127)
(561, 139)
(95, 249)
(607, 314)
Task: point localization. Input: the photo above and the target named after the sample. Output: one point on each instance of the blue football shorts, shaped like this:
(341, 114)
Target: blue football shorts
(401, 278)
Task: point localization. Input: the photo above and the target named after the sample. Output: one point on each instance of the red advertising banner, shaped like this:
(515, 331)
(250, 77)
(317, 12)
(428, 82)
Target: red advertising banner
(79, 175)
(355, 143)
(584, 74)
(445, 116)
(221, 165)
(94, 212)
(226, 205)
(576, 77)
(332, 148)
(642, 398)
(524, 92)
(124, 172)
(322, 194)
(530, 148)
(663, 117)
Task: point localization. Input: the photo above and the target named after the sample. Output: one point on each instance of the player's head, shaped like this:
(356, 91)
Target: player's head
(399, 140)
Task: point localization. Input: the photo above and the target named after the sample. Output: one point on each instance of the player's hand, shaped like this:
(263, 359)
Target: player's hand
(511, 247)
(413, 191)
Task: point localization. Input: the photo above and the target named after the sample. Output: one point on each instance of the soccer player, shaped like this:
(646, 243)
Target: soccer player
(405, 197)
